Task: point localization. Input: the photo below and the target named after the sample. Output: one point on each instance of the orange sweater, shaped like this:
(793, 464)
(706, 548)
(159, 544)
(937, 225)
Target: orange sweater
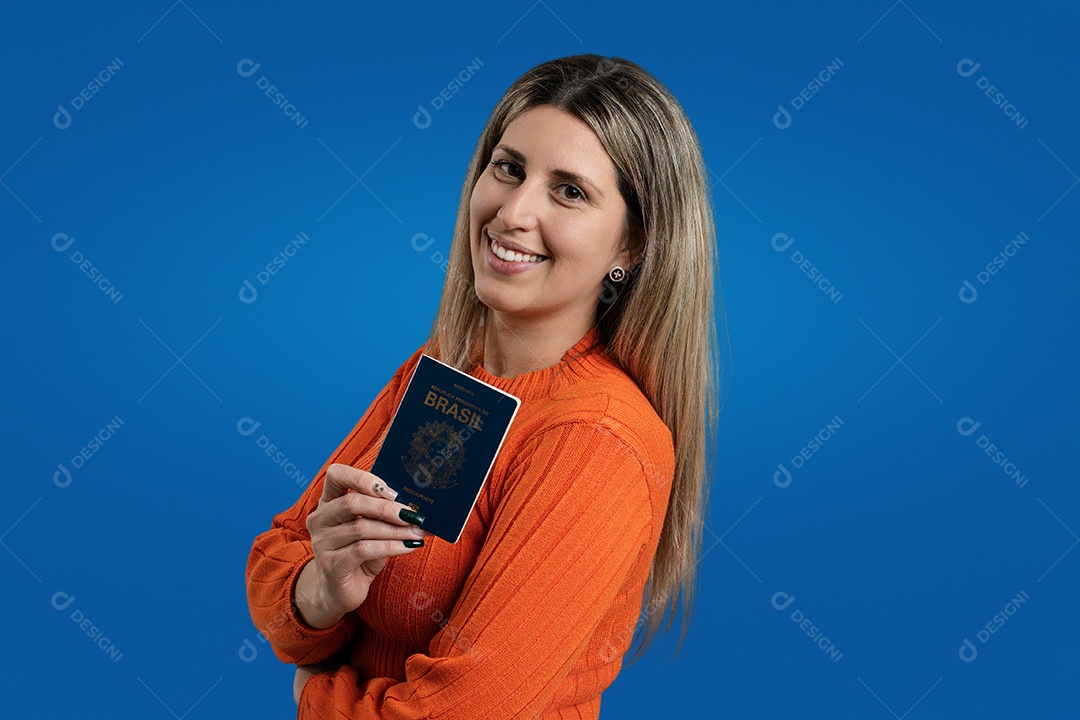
(529, 614)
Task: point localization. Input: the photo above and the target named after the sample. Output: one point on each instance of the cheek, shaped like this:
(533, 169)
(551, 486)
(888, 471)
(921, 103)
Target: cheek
(476, 217)
(473, 209)
(482, 197)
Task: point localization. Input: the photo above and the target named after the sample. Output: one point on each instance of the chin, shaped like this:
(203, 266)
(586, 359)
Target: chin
(493, 300)
(510, 304)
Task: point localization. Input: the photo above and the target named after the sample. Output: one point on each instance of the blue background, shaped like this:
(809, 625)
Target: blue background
(899, 180)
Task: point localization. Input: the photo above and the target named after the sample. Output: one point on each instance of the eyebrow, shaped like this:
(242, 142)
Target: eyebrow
(561, 174)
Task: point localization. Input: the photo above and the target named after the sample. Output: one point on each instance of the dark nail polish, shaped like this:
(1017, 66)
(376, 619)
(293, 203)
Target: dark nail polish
(410, 517)
(413, 543)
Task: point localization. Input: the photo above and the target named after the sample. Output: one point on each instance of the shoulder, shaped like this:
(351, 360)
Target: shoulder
(404, 372)
(609, 398)
(602, 407)
(592, 436)
(410, 363)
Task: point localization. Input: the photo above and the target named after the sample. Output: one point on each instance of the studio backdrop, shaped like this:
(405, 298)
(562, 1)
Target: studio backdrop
(226, 225)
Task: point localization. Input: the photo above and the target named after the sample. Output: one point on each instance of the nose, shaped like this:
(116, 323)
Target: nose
(519, 207)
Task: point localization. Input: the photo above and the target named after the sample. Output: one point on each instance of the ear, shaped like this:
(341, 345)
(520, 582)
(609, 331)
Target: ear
(633, 247)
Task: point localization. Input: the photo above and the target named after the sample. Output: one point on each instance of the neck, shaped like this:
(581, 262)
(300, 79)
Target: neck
(514, 345)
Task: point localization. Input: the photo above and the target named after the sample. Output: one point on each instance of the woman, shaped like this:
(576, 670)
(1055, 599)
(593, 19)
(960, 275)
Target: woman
(580, 280)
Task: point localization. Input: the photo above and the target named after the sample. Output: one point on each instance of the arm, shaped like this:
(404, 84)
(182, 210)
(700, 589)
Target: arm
(579, 510)
(280, 554)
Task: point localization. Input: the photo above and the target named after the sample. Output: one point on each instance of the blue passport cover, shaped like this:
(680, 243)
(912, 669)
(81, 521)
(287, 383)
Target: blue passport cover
(442, 443)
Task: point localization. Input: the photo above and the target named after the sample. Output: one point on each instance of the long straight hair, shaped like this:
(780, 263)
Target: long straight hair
(661, 327)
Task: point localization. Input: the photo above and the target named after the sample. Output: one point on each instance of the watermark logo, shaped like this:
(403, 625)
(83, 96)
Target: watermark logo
(782, 601)
(61, 242)
(62, 476)
(248, 67)
(968, 651)
(420, 600)
(246, 427)
(248, 292)
(438, 449)
(421, 242)
(782, 476)
(423, 118)
(782, 117)
(61, 601)
(968, 292)
(248, 651)
(610, 651)
(968, 67)
(967, 427)
(63, 117)
(781, 242)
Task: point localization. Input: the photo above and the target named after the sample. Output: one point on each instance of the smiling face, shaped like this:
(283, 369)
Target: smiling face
(547, 221)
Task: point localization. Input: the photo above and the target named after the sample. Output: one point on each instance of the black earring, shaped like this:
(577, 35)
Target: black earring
(612, 282)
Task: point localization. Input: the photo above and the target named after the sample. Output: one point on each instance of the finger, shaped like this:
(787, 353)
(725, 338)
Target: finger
(372, 485)
(368, 554)
(388, 511)
(362, 530)
(377, 551)
(348, 507)
(355, 517)
(381, 489)
(340, 479)
(344, 509)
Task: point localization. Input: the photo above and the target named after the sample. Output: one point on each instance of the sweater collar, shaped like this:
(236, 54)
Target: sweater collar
(583, 359)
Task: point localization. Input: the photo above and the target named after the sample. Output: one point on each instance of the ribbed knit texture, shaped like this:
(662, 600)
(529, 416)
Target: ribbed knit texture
(529, 614)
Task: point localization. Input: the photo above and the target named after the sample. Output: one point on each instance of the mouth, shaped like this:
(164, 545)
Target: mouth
(511, 255)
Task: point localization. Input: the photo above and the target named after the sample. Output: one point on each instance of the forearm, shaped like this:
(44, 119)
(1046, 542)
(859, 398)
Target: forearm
(273, 570)
(551, 559)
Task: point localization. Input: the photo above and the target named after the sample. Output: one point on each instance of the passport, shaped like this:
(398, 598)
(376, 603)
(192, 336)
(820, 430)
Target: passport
(442, 443)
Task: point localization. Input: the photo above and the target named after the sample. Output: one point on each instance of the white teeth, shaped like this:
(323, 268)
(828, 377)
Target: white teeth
(511, 256)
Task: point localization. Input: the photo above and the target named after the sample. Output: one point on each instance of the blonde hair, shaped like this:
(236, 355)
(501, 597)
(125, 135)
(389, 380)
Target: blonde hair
(661, 328)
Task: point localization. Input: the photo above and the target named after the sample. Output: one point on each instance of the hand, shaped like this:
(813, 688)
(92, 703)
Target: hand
(354, 530)
(304, 672)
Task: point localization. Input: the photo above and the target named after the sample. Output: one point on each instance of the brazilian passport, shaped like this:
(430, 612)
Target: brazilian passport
(442, 443)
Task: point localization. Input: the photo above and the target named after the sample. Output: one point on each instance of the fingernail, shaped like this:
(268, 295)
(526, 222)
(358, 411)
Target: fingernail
(383, 491)
(418, 532)
(410, 517)
(413, 543)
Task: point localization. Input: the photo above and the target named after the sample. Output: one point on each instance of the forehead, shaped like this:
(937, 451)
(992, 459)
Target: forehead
(553, 139)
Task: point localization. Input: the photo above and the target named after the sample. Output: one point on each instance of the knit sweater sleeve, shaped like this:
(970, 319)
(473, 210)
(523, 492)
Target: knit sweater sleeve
(576, 514)
(279, 554)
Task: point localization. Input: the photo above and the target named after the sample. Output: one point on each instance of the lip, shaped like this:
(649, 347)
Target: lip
(502, 266)
(511, 246)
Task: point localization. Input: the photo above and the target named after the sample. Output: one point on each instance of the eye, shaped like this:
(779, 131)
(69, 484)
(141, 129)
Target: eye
(506, 167)
(509, 169)
(573, 192)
